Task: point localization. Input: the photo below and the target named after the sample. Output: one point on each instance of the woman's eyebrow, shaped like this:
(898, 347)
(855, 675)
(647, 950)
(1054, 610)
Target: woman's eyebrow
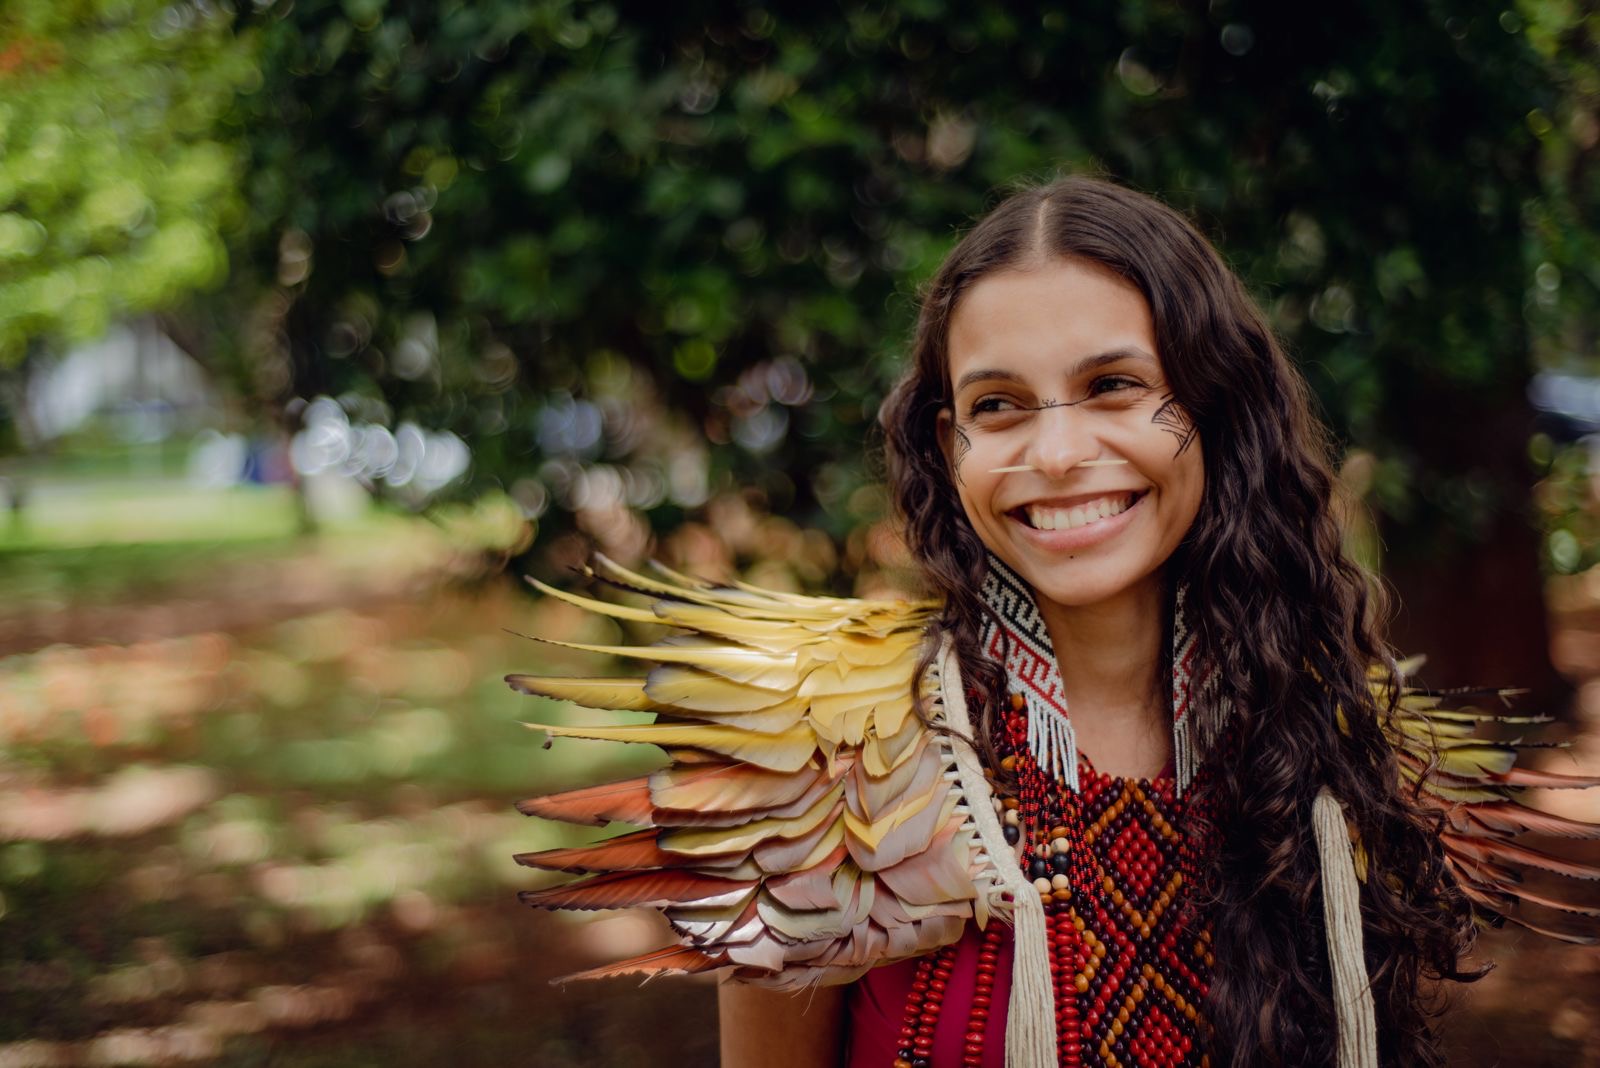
(1125, 352)
(986, 374)
(1083, 366)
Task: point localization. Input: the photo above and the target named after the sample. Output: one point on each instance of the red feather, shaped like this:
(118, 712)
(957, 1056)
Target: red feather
(669, 960)
(628, 852)
(622, 890)
(1549, 780)
(1555, 903)
(1512, 853)
(1508, 817)
(627, 801)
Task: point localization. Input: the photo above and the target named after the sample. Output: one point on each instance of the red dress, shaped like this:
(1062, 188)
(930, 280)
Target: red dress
(1132, 959)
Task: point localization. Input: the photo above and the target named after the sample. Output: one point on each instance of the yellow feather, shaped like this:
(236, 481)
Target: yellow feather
(688, 688)
(883, 753)
(604, 608)
(773, 858)
(710, 841)
(872, 834)
(625, 694)
(788, 751)
(732, 663)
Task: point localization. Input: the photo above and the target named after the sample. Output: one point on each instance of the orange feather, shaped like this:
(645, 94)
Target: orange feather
(627, 801)
(669, 960)
(621, 890)
(628, 852)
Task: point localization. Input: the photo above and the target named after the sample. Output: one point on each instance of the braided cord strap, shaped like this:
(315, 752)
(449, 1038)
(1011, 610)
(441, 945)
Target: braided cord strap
(1031, 1015)
(1341, 915)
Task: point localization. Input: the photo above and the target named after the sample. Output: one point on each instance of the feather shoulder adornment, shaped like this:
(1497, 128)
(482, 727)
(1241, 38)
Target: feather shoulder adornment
(810, 824)
(1475, 783)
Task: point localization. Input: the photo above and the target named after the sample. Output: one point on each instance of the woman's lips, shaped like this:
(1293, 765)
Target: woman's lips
(1079, 537)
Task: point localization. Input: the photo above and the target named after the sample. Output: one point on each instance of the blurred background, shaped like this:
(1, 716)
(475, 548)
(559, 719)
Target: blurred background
(322, 323)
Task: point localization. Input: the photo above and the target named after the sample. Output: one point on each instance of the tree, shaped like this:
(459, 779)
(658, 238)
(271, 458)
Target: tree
(465, 209)
(114, 175)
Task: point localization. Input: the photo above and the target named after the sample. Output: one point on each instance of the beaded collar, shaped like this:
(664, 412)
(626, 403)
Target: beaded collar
(1016, 637)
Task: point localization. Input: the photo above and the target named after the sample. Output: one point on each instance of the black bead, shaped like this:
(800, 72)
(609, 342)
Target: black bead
(920, 1062)
(1038, 869)
(1061, 863)
(1013, 836)
(904, 1052)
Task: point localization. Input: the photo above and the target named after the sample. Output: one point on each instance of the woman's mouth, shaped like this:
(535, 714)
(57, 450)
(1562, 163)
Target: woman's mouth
(1082, 514)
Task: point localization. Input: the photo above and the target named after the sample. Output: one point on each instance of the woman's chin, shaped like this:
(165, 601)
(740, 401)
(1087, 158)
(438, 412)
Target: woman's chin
(1083, 581)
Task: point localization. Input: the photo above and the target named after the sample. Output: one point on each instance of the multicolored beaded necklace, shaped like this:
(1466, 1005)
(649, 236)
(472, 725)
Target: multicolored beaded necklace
(1130, 958)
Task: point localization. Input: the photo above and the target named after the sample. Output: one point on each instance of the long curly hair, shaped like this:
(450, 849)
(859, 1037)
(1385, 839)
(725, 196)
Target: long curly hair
(1291, 622)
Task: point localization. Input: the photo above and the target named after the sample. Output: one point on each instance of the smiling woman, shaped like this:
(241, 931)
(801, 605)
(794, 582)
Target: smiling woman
(1055, 365)
(1191, 606)
(1128, 790)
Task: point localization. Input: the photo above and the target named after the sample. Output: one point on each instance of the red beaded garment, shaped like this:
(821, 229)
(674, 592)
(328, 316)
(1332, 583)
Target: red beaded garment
(1130, 955)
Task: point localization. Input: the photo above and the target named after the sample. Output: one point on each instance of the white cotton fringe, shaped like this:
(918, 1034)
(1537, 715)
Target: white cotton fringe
(1341, 915)
(1031, 1014)
(1051, 741)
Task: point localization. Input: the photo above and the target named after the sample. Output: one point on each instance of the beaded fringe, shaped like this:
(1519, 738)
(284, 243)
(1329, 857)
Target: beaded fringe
(1021, 641)
(1198, 716)
(1051, 741)
(1031, 1014)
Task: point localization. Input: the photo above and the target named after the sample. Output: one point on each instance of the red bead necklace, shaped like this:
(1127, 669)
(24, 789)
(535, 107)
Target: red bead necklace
(1129, 964)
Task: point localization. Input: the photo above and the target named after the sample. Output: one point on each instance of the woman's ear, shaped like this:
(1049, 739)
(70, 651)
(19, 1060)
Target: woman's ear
(945, 431)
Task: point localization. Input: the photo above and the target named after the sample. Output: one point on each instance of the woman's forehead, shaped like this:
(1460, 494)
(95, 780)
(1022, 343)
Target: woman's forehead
(1068, 368)
(1050, 322)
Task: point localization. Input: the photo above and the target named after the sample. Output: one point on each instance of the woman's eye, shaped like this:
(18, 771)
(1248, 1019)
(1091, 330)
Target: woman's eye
(987, 405)
(1112, 384)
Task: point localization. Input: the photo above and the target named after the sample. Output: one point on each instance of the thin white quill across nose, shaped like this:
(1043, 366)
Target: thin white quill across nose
(1031, 467)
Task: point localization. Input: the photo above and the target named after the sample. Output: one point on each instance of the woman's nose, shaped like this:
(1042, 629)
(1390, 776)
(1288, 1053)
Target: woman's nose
(1062, 438)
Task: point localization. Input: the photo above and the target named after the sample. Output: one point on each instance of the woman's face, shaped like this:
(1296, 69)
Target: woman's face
(1052, 366)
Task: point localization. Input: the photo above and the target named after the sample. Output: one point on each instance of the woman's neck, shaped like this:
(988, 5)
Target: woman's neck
(1109, 654)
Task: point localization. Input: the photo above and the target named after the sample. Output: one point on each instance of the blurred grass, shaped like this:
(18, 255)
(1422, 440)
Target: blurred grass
(100, 542)
(98, 539)
(106, 513)
(219, 842)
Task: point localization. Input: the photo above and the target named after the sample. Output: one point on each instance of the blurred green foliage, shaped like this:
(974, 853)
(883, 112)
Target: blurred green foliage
(216, 840)
(706, 191)
(682, 243)
(116, 178)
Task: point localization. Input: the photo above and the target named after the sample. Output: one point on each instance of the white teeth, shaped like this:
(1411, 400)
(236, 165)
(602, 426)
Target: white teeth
(1079, 515)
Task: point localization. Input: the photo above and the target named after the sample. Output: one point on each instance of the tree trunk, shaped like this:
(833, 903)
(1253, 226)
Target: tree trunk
(1474, 604)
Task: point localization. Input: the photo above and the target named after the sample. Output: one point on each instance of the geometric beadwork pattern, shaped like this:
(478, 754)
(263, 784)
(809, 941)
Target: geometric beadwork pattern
(1018, 639)
(1150, 956)
(1198, 713)
(1117, 865)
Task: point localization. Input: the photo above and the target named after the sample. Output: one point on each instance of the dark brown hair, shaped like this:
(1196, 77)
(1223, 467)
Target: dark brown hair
(1292, 623)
